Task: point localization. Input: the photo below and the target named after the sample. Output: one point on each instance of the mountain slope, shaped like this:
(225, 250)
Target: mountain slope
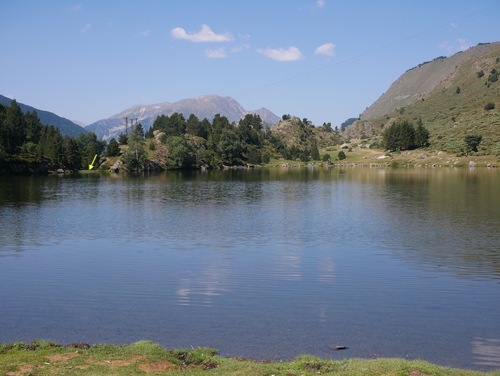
(206, 106)
(449, 95)
(67, 127)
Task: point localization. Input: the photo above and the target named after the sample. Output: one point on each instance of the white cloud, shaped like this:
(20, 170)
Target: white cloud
(77, 7)
(216, 54)
(280, 54)
(87, 28)
(144, 33)
(204, 35)
(240, 48)
(315, 7)
(327, 49)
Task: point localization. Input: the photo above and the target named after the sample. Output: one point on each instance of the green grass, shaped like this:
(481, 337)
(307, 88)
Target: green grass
(450, 116)
(148, 358)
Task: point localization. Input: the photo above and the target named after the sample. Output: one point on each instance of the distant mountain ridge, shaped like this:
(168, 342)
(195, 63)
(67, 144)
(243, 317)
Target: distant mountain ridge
(67, 127)
(205, 106)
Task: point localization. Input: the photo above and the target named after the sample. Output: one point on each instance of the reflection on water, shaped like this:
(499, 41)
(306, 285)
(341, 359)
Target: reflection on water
(486, 351)
(266, 263)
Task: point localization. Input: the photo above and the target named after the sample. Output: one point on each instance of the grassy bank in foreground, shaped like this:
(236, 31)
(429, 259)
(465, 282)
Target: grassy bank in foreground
(145, 357)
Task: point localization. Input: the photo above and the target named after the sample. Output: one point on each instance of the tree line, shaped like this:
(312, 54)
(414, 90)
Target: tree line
(194, 143)
(186, 143)
(403, 135)
(24, 138)
(190, 143)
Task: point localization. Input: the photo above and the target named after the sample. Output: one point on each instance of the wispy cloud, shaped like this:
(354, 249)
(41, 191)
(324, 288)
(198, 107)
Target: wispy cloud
(144, 33)
(463, 44)
(87, 28)
(315, 7)
(281, 54)
(216, 54)
(77, 7)
(327, 49)
(204, 35)
(451, 48)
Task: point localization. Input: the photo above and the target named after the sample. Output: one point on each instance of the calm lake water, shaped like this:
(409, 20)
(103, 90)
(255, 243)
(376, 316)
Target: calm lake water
(267, 263)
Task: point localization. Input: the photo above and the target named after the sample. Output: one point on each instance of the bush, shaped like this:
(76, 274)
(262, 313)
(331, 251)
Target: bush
(326, 157)
(266, 157)
(472, 142)
(400, 136)
(341, 155)
(489, 106)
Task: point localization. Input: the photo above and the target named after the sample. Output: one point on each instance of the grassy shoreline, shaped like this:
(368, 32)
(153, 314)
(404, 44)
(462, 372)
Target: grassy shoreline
(149, 358)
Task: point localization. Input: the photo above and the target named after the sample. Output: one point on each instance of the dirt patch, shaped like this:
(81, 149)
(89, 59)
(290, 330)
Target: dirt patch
(25, 369)
(59, 358)
(159, 366)
(417, 373)
(115, 363)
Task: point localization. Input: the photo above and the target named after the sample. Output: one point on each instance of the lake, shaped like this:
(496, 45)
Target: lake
(263, 263)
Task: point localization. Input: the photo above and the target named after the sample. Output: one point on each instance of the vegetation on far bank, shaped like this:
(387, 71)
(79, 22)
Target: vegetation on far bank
(174, 142)
(146, 358)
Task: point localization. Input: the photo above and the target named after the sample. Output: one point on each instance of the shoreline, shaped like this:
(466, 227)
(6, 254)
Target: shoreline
(147, 357)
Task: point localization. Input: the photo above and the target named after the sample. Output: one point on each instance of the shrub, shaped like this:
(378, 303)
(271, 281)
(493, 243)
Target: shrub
(489, 106)
(400, 136)
(266, 157)
(341, 155)
(326, 157)
(480, 74)
(472, 142)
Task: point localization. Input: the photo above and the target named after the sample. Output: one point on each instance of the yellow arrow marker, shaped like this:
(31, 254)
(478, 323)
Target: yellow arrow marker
(91, 166)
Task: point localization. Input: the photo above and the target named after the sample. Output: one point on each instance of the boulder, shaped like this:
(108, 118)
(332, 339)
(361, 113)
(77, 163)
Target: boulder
(117, 166)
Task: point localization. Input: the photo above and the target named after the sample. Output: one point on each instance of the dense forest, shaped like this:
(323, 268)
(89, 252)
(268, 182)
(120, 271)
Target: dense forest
(27, 145)
(172, 142)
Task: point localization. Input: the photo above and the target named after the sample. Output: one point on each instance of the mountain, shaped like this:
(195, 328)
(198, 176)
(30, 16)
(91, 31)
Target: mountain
(206, 106)
(67, 127)
(453, 96)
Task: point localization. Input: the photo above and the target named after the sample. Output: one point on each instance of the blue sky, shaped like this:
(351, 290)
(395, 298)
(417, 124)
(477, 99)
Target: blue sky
(326, 60)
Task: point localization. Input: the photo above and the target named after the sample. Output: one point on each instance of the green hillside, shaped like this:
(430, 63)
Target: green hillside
(454, 97)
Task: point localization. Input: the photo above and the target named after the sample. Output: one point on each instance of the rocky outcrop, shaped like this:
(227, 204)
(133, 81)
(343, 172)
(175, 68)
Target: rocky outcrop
(151, 166)
(147, 166)
(117, 166)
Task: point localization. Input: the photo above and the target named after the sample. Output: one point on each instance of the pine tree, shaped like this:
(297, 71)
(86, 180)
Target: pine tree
(421, 135)
(113, 148)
